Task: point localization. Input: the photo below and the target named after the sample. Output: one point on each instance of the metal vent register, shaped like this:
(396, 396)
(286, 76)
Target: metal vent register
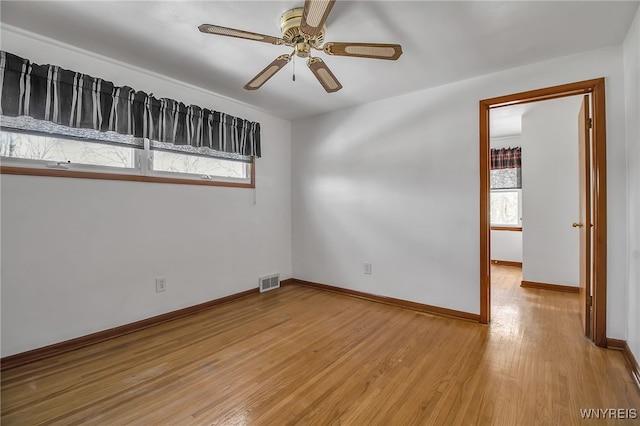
(269, 283)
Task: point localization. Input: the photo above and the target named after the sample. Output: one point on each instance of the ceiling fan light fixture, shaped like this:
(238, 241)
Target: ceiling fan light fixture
(303, 50)
(303, 29)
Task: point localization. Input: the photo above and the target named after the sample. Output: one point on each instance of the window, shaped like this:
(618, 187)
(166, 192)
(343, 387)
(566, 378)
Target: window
(506, 207)
(506, 184)
(63, 153)
(59, 122)
(204, 167)
(132, 157)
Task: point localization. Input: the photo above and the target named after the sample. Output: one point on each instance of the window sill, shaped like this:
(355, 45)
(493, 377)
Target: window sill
(12, 170)
(506, 228)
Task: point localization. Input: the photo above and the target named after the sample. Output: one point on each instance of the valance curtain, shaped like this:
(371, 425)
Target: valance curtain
(506, 158)
(506, 171)
(54, 95)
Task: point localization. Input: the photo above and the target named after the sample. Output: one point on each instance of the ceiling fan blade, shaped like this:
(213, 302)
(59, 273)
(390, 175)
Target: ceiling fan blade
(268, 72)
(364, 50)
(324, 75)
(314, 15)
(232, 32)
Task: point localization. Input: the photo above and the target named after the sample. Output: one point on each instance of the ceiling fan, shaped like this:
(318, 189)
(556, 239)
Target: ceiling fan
(304, 30)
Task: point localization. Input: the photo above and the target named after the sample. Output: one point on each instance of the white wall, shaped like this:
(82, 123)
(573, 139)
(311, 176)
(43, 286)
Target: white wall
(632, 101)
(506, 245)
(395, 182)
(79, 255)
(550, 192)
(505, 141)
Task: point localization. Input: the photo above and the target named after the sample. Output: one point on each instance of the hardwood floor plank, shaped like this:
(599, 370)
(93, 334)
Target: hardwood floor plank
(299, 355)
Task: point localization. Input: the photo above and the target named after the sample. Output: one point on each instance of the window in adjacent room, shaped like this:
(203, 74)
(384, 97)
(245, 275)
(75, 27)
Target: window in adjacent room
(506, 187)
(506, 207)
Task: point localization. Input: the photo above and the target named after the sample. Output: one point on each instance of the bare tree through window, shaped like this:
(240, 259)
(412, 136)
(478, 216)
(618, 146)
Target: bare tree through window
(49, 149)
(32, 147)
(194, 164)
(504, 207)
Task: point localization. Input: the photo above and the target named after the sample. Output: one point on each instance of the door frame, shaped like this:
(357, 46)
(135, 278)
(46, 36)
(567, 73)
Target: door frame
(596, 89)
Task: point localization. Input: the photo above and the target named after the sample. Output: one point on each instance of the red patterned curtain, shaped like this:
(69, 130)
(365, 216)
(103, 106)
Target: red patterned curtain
(506, 158)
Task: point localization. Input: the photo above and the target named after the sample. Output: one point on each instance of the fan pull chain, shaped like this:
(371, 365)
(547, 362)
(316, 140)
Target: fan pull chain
(294, 68)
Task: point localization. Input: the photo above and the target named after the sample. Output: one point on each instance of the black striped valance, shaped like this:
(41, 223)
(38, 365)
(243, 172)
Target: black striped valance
(68, 98)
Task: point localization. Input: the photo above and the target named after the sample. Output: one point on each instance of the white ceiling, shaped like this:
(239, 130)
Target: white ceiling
(442, 42)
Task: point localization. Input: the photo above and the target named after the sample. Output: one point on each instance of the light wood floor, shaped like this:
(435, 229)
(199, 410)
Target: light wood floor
(304, 356)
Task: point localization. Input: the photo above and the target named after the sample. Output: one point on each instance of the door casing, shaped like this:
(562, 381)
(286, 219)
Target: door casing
(596, 88)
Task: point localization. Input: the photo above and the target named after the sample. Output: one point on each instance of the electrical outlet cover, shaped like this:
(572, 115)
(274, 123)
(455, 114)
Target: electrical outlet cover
(161, 284)
(367, 268)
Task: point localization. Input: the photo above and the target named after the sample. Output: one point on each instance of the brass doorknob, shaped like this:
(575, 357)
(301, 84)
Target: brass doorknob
(577, 225)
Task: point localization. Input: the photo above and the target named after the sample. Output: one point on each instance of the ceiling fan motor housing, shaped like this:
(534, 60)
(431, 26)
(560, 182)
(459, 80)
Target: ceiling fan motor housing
(292, 36)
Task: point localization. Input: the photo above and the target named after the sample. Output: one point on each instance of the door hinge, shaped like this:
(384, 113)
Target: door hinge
(590, 123)
(590, 300)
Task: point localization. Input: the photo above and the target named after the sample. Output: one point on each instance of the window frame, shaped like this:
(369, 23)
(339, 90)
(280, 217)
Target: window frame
(147, 158)
(141, 172)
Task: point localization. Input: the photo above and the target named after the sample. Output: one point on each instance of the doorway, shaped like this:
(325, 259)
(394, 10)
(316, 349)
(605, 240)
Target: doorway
(597, 193)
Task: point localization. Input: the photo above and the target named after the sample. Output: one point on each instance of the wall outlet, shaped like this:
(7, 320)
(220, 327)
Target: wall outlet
(367, 268)
(161, 284)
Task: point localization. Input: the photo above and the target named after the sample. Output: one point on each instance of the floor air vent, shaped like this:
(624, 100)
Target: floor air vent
(269, 283)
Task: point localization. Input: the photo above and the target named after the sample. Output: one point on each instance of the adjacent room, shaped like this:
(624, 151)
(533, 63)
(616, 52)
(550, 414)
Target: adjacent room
(319, 212)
